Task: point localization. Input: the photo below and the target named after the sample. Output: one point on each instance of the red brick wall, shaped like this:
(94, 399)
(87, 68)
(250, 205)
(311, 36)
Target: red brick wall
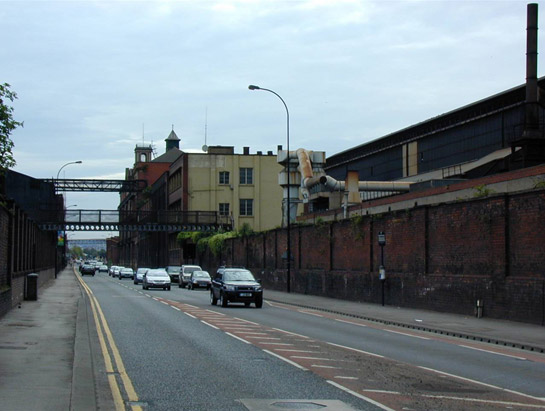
(441, 257)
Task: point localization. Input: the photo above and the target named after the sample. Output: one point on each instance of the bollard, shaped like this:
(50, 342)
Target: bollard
(479, 308)
(31, 289)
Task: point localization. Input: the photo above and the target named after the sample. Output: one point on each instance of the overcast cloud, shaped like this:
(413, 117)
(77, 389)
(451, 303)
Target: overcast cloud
(94, 78)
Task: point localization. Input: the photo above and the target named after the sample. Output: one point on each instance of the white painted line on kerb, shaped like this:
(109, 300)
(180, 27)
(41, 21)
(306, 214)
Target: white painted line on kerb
(363, 397)
(176, 308)
(342, 377)
(286, 360)
(350, 322)
(210, 325)
(492, 352)
(238, 338)
(383, 392)
(406, 334)
(190, 315)
(289, 332)
(356, 350)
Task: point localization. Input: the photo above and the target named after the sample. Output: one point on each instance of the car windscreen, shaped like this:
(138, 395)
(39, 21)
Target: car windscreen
(189, 270)
(160, 274)
(201, 274)
(238, 276)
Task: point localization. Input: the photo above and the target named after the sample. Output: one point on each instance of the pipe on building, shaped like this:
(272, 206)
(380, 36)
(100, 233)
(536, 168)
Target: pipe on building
(336, 185)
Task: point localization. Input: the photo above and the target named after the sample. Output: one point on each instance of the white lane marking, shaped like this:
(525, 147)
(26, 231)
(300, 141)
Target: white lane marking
(286, 360)
(252, 333)
(493, 352)
(301, 351)
(383, 392)
(482, 383)
(363, 397)
(246, 321)
(508, 404)
(343, 377)
(238, 338)
(350, 322)
(301, 357)
(215, 312)
(356, 350)
(165, 303)
(191, 306)
(262, 338)
(326, 366)
(273, 343)
(210, 325)
(147, 295)
(309, 313)
(408, 335)
(176, 308)
(289, 332)
(190, 315)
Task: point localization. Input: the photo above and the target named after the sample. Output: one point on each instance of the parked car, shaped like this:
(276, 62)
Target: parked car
(173, 271)
(103, 268)
(235, 285)
(139, 275)
(199, 279)
(115, 272)
(156, 278)
(185, 274)
(126, 273)
(87, 269)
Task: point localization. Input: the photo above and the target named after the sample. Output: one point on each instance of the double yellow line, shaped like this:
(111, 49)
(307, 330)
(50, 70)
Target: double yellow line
(105, 338)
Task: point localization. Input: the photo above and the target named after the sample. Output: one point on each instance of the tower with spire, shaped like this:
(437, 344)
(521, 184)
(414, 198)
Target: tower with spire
(172, 141)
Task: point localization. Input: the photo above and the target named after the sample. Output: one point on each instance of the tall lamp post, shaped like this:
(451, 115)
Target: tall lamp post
(252, 87)
(71, 162)
(382, 269)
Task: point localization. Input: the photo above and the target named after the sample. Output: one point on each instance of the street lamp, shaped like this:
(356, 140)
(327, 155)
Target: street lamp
(252, 87)
(382, 269)
(71, 162)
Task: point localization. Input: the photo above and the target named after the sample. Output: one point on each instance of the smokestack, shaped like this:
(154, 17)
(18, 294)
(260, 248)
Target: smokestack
(532, 111)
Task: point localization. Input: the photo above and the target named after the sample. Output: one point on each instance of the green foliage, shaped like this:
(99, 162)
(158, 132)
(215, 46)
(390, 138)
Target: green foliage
(76, 251)
(482, 191)
(182, 237)
(7, 125)
(539, 184)
(245, 231)
(203, 244)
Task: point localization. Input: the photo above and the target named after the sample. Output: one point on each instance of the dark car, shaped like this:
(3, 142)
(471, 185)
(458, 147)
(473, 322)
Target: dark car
(236, 285)
(199, 279)
(87, 269)
(173, 271)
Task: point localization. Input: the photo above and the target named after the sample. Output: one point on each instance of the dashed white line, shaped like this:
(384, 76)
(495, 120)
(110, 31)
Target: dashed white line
(408, 335)
(311, 358)
(190, 315)
(246, 321)
(238, 338)
(300, 351)
(263, 338)
(363, 397)
(326, 366)
(289, 332)
(309, 313)
(176, 308)
(343, 377)
(356, 350)
(350, 322)
(493, 352)
(210, 325)
(286, 360)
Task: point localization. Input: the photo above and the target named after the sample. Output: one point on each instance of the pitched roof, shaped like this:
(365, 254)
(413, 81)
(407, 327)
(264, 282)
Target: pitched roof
(172, 136)
(169, 157)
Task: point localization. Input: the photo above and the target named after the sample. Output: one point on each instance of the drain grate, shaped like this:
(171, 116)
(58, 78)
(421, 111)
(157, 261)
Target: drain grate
(295, 405)
(292, 405)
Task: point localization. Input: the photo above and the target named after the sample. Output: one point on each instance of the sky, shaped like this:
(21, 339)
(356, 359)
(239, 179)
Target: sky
(95, 78)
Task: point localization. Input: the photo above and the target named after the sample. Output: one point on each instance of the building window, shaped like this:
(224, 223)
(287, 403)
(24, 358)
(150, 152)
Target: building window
(246, 207)
(224, 208)
(224, 177)
(246, 176)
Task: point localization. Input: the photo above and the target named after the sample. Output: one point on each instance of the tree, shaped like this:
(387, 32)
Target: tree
(7, 125)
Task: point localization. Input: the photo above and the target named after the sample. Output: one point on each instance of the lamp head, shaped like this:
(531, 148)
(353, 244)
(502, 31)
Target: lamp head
(78, 162)
(252, 87)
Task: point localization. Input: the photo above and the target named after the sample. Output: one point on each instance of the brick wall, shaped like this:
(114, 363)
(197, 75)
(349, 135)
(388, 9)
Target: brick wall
(442, 257)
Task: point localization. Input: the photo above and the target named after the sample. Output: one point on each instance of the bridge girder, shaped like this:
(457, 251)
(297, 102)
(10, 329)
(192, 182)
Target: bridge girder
(120, 186)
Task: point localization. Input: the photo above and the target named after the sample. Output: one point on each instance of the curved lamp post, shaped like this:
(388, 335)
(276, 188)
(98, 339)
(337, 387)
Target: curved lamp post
(71, 162)
(252, 87)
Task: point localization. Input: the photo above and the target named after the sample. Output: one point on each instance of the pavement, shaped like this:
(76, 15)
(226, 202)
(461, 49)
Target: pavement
(47, 360)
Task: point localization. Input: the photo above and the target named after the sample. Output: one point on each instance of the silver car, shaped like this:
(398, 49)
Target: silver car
(126, 273)
(156, 278)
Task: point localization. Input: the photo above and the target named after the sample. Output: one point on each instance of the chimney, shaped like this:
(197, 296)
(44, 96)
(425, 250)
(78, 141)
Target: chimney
(246, 150)
(531, 121)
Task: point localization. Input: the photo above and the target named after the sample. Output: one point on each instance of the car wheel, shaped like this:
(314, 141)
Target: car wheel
(246, 304)
(168, 288)
(223, 300)
(213, 299)
(259, 303)
(180, 285)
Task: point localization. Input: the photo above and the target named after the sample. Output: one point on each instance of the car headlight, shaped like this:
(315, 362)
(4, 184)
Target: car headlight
(229, 287)
(258, 288)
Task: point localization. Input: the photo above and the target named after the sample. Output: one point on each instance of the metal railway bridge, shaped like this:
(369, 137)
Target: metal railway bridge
(122, 220)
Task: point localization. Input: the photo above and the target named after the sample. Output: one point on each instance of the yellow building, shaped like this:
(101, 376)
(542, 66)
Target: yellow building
(243, 187)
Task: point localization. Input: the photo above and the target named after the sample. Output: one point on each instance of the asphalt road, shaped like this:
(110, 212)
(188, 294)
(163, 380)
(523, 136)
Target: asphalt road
(179, 352)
